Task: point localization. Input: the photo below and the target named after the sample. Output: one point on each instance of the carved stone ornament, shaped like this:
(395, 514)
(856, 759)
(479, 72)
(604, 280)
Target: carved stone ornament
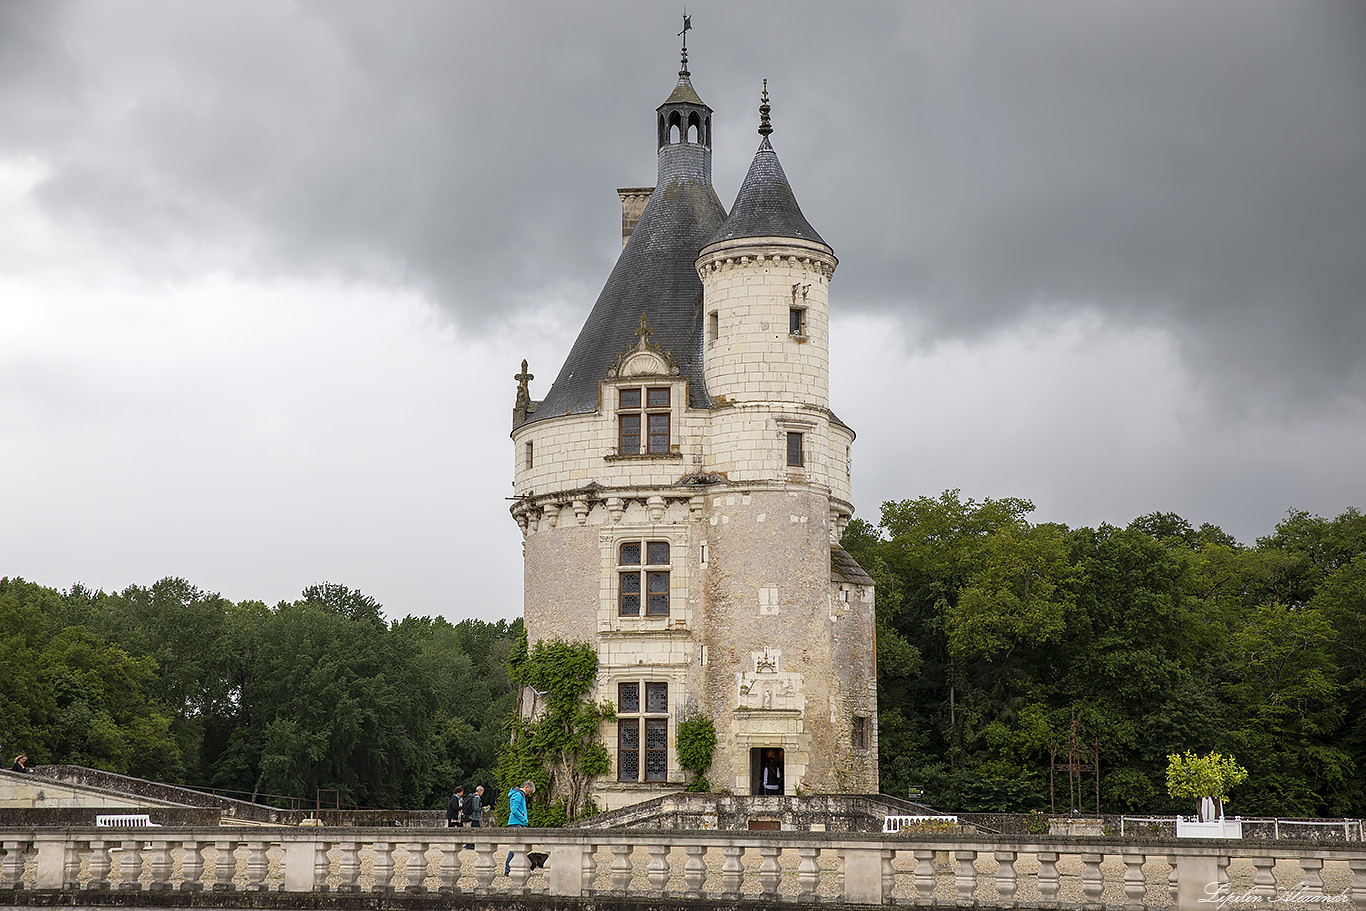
(644, 358)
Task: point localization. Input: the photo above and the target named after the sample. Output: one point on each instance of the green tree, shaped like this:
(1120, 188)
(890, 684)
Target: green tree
(1198, 777)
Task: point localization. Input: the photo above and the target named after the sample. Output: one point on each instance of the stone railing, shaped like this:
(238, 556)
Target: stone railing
(1093, 873)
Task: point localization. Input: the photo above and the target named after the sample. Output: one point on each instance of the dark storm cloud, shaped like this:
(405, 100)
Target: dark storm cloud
(1196, 167)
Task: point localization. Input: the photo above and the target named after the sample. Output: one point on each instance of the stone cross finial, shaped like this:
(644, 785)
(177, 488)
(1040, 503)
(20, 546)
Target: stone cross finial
(523, 393)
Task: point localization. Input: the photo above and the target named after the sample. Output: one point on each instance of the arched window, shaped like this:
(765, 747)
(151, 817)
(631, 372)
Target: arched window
(675, 127)
(694, 127)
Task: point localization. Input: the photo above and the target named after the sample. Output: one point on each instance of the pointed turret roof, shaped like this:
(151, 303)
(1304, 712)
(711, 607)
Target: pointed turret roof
(656, 275)
(766, 205)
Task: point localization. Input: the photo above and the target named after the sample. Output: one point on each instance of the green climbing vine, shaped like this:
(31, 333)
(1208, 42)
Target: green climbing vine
(696, 744)
(558, 746)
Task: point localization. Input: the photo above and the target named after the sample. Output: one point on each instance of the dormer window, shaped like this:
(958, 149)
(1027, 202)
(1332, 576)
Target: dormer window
(643, 417)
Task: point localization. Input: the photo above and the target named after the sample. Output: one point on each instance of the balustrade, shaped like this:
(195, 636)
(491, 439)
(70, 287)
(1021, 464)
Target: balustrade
(961, 871)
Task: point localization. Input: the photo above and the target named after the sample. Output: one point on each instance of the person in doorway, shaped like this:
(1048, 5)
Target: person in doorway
(455, 809)
(517, 813)
(773, 776)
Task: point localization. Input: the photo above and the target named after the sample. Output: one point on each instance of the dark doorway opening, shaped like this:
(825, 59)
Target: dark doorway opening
(767, 774)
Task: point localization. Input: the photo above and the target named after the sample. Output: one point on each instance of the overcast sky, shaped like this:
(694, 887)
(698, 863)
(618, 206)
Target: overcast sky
(267, 269)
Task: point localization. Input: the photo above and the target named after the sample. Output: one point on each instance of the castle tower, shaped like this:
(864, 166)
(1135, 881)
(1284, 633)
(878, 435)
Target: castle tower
(683, 484)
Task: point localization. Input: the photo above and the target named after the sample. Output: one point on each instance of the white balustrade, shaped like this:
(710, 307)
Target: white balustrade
(921, 870)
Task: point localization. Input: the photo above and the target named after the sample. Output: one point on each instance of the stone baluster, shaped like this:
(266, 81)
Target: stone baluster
(521, 867)
(888, 873)
(1048, 878)
(448, 867)
(965, 876)
(1006, 882)
(1311, 877)
(1221, 871)
(621, 868)
(383, 867)
(159, 863)
(71, 865)
(1358, 887)
(192, 866)
(1264, 881)
(130, 864)
(1173, 878)
(100, 864)
(415, 869)
(1135, 883)
(695, 870)
(924, 878)
(808, 872)
(224, 865)
(258, 865)
(732, 871)
(322, 866)
(588, 869)
(485, 866)
(657, 872)
(770, 873)
(348, 865)
(1092, 882)
(12, 871)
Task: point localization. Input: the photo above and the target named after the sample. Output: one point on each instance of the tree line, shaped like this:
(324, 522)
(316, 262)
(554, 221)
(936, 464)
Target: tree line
(316, 695)
(995, 634)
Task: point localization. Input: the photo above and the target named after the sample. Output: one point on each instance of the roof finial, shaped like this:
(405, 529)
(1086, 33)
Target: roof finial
(687, 24)
(765, 127)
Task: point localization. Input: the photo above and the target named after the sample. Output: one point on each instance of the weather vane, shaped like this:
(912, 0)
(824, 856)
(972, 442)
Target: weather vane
(687, 24)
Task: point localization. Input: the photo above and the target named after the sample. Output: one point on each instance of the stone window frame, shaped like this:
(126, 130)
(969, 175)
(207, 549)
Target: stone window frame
(859, 733)
(610, 539)
(645, 411)
(638, 719)
(648, 572)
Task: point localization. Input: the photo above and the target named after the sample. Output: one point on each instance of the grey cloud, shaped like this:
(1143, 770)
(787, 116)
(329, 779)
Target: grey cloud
(1193, 166)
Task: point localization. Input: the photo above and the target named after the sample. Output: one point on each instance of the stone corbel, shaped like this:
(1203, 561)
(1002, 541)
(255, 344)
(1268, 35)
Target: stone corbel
(581, 511)
(656, 506)
(552, 513)
(695, 505)
(616, 508)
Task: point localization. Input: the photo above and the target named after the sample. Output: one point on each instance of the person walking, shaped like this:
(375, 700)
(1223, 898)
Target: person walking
(474, 810)
(455, 809)
(517, 814)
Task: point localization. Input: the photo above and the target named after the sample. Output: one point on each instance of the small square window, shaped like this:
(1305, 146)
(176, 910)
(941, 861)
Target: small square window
(713, 326)
(658, 553)
(794, 450)
(860, 733)
(630, 554)
(658, 398)
(796, 321)
(630, 398)
(529, 460)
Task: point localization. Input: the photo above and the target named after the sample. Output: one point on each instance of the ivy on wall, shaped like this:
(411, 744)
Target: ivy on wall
(696, 744)
(554, 741)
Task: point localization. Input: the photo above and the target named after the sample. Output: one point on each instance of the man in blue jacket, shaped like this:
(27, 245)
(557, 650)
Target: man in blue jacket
(517, 798)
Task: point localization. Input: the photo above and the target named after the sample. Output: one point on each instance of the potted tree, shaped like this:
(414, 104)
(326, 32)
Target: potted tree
(1207, 780)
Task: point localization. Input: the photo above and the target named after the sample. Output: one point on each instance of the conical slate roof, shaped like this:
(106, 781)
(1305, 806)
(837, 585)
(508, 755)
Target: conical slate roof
(654, 276)
(766, 205)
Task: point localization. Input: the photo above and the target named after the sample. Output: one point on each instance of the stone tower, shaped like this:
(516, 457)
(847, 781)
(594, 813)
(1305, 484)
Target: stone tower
(683, 485)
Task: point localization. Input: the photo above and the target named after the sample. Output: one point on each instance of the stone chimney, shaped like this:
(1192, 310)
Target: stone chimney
(633, 200)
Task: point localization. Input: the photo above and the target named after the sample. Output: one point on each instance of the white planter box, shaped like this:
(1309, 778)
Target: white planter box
(1192, 827)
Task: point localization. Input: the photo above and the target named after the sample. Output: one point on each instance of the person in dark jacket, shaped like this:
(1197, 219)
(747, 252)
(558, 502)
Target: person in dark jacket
(455, 811)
